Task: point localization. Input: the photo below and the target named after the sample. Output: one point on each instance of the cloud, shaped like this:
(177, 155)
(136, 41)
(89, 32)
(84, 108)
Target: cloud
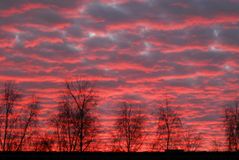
(134, 50)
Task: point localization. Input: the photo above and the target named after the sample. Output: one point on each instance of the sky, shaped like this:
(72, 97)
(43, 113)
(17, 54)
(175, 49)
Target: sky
(134, 50)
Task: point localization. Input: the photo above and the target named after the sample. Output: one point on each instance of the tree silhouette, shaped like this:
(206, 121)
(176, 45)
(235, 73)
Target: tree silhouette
(16, 124)
(217, 145)
(192, 140)
(28, 122)
(129, 134)
(231, 123)
(9, 98)
(44, 144)
(168, 128)
(76, 123)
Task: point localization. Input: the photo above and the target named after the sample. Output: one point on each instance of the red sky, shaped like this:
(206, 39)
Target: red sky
(132, 49)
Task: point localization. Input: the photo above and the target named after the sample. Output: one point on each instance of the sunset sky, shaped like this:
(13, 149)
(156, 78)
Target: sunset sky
(135, 50)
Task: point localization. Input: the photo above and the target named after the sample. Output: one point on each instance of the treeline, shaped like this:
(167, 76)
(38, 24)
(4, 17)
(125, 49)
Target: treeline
(76, 125)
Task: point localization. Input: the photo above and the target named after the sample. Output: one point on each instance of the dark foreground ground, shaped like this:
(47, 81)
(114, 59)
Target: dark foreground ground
(120, 156)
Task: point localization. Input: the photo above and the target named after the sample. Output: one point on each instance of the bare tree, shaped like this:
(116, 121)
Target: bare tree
(217, 145)
(231, 122)
(44, 144)
(192, 140)
(76, 122)
(16, 121)
(9, 99)
(129, 134)
(28, 122)
(168, 128)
